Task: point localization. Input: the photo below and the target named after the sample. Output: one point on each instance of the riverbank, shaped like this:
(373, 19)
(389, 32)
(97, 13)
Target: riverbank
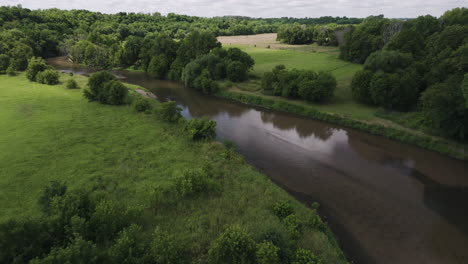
(341, 110)
(52, 133)
(389, 131)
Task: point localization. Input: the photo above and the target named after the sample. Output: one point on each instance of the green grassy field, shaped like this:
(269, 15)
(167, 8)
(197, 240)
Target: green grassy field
(310, 57)
(52, 133)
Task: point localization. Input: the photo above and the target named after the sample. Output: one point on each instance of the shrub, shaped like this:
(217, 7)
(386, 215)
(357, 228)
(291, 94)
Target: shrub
(48, 76)
(116, 93)
(304, 256)
(282, 209)
(4, 63)
(96, 82)
(233, 246)
(142, 104)
(292, 224)
(267, 253)
(128, 247)
(107, 220)
(72, 84)
(79, 251)
(35, 65)
(201, 129)
(163, 249)
(10, 71)
(169, 112)
(54, 189)
(194, 182)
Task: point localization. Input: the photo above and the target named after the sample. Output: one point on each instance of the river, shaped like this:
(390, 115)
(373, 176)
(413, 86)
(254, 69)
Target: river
(386, 201)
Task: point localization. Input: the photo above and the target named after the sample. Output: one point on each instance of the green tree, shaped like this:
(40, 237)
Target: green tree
(236, 71)
(267, 253)
(79, 251)
(169, 112)
(360, 86)
(304, 256)
(163, 249)
(129, 247)
(52, 190)
(201, 129)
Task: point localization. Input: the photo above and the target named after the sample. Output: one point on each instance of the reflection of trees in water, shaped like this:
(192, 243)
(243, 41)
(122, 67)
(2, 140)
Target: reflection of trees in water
(303, 127)
(447, 201)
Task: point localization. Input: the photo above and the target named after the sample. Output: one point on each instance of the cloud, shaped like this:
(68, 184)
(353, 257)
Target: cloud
(257, 8)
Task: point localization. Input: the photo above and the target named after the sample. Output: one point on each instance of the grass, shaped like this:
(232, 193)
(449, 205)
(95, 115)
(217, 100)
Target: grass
(52, 133)
(316, 59)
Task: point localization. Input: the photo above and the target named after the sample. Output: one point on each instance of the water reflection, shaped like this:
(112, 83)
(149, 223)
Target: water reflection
(388, 202)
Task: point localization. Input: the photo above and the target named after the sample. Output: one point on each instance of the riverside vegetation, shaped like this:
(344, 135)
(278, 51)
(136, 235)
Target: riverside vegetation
(135, 183)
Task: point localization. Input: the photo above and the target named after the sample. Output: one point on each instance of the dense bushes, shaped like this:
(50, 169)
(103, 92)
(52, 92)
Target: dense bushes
(303, 84)
(4, 63)
(40, 72)
(104, 88)
(142, 104)
(232, 247)
(72, 84)
(323, 35)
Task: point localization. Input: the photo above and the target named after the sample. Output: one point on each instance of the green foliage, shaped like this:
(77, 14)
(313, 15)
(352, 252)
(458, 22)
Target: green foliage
(35, 65)
(201, 129)
(283, 209)
(10, 71)
(394, 90)
(142, 104)
(234, 246)
(293, 225)
(169, 112)
(303, 84)
(295, 34)
(304, 256)
(79, 251)
(387, 61)
(54, 189)
(107, 220)
(72, 84)
(129, 247)
(104, 88)
(4, 63)
(193, 183)
(267, 253)
(48, 76)
(236, 71)
(163, 249)
(465, 89)
(360, 87)
(444, 107)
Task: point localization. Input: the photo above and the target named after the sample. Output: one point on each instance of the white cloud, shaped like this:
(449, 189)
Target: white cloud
(257, 8)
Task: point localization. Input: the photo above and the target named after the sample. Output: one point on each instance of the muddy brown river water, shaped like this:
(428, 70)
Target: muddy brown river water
(387, 202)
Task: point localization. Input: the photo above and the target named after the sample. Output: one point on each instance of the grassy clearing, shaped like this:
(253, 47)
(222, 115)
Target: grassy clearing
(310, 57)
(52, 133)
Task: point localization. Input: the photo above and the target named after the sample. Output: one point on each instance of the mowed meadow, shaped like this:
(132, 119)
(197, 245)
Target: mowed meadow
(50, 133)
(268, 52)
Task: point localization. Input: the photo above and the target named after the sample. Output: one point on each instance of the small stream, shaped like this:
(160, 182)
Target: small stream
(386, 201)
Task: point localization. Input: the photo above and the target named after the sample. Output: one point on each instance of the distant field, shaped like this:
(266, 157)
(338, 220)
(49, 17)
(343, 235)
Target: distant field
(310, 57)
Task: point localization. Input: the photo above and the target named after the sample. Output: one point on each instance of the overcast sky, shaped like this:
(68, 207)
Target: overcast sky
(256, 8)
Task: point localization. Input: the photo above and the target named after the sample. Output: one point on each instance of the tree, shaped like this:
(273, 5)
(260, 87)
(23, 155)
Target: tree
(116, 93)
(360, 86)
(396, 91)
(35, 65)
(129, 247)
(19, 56)
(319, 89)
(304, 256)
(104, 88)
(163, 249)
(387, 61)
(236, 71)
(79, 251)
(169, 112)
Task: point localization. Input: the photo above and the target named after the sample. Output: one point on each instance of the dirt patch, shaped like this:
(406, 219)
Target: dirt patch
(146, 94)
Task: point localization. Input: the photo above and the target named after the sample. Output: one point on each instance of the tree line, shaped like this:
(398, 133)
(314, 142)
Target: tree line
(419, 65)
